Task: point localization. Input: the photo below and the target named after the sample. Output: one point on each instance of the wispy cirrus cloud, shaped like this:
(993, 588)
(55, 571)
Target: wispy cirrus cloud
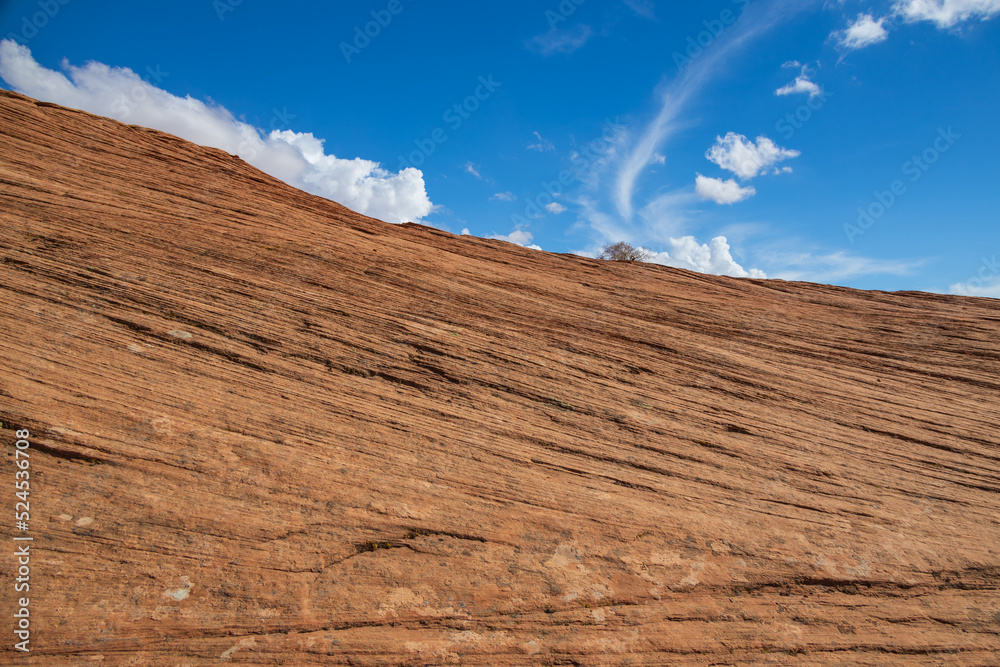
(836, 266)
(643, 8)
(986, 282)
(608, 206)
(541, 145)
(987, 288)
(757, 19)
(470, 168)
(561, 40)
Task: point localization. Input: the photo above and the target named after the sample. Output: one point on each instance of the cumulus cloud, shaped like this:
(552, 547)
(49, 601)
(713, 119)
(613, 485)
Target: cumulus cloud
(713, 257)
(722, 192)
(802, 84)
(737, 154)
(517, 237)
(504, 196)
(611, 212)
(560, 40)
(756, 19)
(865, 31)
(555, 207)
(947, 13)
(297, 158)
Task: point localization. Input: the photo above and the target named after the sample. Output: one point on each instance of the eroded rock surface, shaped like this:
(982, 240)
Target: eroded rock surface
(266, 428)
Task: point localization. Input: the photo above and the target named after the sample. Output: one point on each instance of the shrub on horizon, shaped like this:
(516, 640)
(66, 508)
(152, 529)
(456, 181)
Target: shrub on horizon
(623, 252)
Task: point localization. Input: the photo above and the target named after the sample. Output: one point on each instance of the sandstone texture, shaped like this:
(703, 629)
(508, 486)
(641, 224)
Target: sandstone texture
(268, 430)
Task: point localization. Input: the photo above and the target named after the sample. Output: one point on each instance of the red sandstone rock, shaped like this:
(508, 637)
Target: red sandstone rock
(268, 430)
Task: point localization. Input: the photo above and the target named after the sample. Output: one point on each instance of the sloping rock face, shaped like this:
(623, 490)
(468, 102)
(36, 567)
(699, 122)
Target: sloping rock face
(267, 430)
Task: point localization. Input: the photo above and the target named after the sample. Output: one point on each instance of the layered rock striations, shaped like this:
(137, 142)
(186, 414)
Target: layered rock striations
(265, 429)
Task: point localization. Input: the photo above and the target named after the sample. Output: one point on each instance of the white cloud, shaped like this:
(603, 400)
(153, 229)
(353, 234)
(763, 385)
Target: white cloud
(946, 13)
(542, 145)
(836, 266)
(669, 214)
(556, 208)
(589, 159)
(986, 282)
(756, 19)
(737, 154)
(722, 192)
(665, 216)
(713, 257)
(471, 168)
(607, 226)
(643, 8)
(802, 84)
(865, 31)
(561, 41)
(975, 287)
(297, 158)
(504, 196)
(466, 232)
(517, 237)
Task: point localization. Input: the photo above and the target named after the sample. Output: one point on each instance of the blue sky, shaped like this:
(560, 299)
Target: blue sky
(849, 142)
